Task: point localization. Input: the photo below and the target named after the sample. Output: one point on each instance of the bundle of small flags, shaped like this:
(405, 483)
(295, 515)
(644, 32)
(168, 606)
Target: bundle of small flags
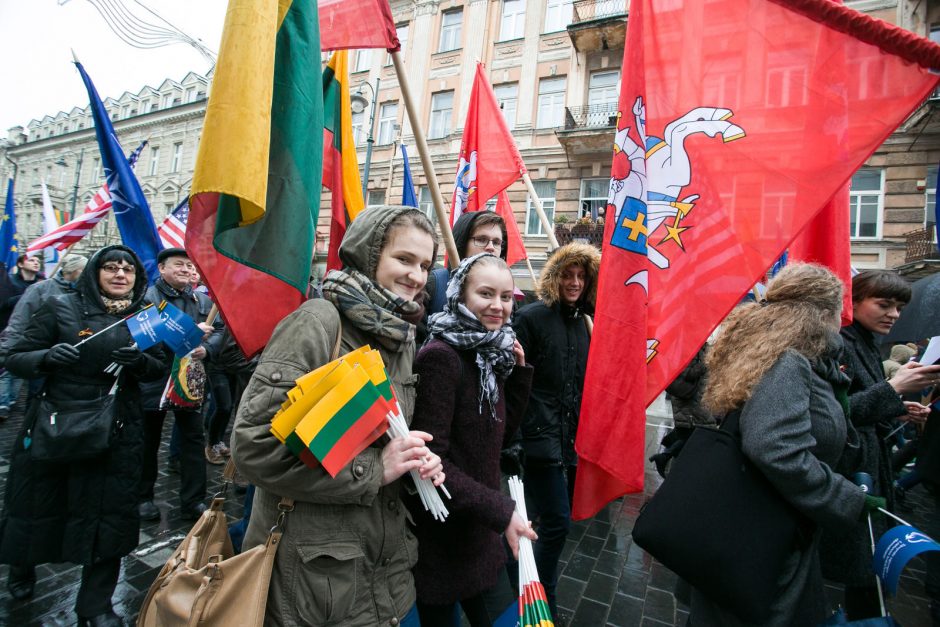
(187, 384)
(339, 409)
(533, 604)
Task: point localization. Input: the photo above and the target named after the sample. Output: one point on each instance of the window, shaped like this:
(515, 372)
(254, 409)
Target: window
(95, 171)
(506, 95)
(168, 101)
(363, 60)
(866, 198)
(388, 116)
(125, 110)
(402, 31)
(546, 192)
(551, 102)
(358, 119)
(512, 24)
(593, 198)
(603, 88)
(930, 205)
(557, 15)
(376, 197)
(425, 204)
(154, 160)
(451, 22)
(177, 157)
(191, 94)
(145, 106)
(442, 105)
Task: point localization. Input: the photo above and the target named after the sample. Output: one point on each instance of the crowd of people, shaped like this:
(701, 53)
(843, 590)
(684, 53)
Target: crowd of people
(490, 388)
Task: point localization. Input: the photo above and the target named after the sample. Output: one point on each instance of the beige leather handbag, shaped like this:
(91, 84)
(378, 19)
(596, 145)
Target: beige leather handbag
(204, 583)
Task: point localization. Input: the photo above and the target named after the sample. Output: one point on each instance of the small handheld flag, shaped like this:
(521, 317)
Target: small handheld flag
(898, 546)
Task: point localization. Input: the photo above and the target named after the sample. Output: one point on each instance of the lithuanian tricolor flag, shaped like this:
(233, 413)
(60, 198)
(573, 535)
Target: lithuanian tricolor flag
(340, 167)
(256, 189)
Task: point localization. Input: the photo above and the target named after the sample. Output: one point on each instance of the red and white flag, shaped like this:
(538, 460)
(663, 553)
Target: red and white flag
(172, 230)
(739, 120)
(74, 230)
(489, 161)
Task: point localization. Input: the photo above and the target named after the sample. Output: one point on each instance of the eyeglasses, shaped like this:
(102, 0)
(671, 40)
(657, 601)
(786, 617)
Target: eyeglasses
(481, 242)
(113, 268)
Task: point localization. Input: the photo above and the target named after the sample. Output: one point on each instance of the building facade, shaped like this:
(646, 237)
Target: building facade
(555, 68)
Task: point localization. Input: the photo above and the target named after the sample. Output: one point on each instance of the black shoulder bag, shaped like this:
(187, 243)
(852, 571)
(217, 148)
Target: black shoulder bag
(718, 523)
(75, 431)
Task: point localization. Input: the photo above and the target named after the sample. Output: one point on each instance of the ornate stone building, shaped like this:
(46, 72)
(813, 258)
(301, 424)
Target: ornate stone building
(555, 68)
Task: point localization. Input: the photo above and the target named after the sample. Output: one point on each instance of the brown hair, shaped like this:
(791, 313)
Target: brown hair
(880, 284)
(802, 301)
(414, 219)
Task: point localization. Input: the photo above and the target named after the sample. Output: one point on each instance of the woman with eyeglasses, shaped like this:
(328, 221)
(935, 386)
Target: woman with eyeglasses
(85, 511)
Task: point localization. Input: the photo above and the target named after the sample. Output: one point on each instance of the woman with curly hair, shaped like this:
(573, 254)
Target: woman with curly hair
(777, 364)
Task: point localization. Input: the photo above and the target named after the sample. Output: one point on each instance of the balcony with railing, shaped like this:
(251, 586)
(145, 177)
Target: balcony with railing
(598, 25)
(921, 245)
(588, 129)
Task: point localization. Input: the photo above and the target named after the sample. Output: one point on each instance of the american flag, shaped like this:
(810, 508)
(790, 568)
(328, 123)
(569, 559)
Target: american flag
(173, 230)
(74, 230)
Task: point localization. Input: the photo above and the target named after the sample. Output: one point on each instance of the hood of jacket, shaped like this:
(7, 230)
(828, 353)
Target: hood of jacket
(463, 229)
(87, 284)
(362, 245)
(585, 255)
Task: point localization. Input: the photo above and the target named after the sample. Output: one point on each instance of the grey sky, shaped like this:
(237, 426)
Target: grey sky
(36, 38)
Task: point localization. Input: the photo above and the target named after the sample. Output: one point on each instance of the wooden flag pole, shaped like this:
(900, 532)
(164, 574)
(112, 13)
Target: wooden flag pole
(65, 253)
(537, 203)
(422, 145)
(528, 265)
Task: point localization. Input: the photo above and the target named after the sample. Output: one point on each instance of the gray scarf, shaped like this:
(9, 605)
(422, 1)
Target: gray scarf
(371, 308)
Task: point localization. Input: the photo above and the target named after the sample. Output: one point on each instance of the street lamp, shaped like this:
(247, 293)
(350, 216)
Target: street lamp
(78, 173)
(358, 103)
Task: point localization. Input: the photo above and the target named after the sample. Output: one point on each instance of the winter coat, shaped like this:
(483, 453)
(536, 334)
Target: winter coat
(794, 430)
(346, 554)
(462, 556)
(196, 305)
(685, 393)
(846, 555)
(15, 288)
(556, 342)
(34, 296)
(85, 511)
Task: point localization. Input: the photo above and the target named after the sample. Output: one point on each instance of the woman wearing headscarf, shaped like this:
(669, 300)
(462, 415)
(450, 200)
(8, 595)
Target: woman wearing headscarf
(346, 554)
(777, 364)
(472, 391)
(84, 511)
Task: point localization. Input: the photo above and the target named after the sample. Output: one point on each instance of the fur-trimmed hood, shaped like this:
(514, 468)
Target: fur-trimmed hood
(586, 256)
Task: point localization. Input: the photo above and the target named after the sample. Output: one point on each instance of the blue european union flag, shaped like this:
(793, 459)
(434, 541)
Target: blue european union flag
(134, 220)
(408, 197)
(179, 331)
(146, 328)
(8, 231)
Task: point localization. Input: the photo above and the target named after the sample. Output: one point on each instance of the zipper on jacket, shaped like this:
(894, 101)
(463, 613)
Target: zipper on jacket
(52, 418)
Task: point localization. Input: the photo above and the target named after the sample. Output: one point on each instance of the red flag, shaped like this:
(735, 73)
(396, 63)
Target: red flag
(357, 24)
(735, 129)
(515, 249)
(826, 241)
(489, 160)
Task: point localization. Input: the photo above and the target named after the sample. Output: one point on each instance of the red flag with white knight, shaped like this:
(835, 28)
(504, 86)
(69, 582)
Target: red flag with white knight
(726, 147)
(489, 160)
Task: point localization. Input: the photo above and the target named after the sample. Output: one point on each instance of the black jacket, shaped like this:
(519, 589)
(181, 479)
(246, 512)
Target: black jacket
(85, 511)
(685, 393)
(196, 305)
(556, 343)
(28, 304)
(13, 290)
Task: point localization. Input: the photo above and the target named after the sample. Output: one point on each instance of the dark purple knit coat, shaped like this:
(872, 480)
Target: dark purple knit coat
(461, 557)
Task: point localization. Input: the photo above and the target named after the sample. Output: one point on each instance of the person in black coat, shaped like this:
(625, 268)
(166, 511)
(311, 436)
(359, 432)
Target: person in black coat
(83, 512)
(877, 299)
(555, 339)
(175, 287)
(14, 285)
